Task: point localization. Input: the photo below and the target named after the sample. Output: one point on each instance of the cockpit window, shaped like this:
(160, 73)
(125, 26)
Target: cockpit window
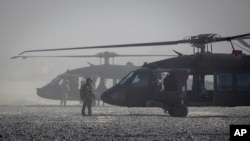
(140, 79)
(56, 81)
(136, 79)
(127, 78)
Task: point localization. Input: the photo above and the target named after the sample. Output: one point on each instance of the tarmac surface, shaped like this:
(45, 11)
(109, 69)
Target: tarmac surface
(118, 123)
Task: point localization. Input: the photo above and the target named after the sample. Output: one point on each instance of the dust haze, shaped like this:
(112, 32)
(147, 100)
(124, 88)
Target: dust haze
(29, 24)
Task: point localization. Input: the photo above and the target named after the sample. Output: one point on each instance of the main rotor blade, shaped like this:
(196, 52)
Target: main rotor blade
(69, 56)
(85, 56)
(193, 40)
(242, 36)
(244, 43)
(145, 55)
(113, 46)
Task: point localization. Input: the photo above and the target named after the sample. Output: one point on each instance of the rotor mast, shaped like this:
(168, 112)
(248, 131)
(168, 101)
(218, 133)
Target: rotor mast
(200, 41)
(201, 48)
(106, 57)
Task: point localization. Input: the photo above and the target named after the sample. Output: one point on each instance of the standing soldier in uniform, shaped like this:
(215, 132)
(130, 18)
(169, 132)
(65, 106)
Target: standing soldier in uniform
(87, 94)
(65, 89)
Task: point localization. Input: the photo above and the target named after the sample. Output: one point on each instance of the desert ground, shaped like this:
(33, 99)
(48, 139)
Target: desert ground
(50, 122)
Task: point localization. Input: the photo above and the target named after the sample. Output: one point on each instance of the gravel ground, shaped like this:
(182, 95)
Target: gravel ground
(117, 123)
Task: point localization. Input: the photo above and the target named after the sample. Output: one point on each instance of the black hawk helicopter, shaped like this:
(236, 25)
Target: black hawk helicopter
(76, 77)
(164, 83)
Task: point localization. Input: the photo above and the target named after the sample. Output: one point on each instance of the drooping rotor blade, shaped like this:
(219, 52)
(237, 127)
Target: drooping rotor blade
(113, 46)
(85, 56)
(199, 39)
(69, 56)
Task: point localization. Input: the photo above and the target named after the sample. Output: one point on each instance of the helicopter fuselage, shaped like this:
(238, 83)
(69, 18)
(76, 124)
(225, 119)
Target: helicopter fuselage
(203, 79)
(106, 71)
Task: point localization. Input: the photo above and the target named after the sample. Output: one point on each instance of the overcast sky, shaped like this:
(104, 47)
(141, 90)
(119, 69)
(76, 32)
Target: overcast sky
(42, 24)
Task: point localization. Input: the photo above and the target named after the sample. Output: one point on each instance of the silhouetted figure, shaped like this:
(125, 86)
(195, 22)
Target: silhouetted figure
(170, 82)
(87, 94)
(65, 89)
(99, 90)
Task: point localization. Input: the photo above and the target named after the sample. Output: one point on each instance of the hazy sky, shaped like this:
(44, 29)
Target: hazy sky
(42, 24)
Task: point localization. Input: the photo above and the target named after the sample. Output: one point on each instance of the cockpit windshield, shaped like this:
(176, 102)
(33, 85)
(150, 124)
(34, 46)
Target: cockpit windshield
(139, 78)
(56, 81)
(127, 78)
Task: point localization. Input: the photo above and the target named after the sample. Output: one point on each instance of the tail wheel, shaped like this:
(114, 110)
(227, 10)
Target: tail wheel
(179, 110)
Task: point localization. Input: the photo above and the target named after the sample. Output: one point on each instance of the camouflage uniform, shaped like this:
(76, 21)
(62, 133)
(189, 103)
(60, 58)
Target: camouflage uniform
(87, 94)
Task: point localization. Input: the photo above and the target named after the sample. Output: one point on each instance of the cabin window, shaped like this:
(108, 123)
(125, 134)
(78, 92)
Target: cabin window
(224, 81)
(209, 82)
(189, 82)
(81, 81)
(243, 81)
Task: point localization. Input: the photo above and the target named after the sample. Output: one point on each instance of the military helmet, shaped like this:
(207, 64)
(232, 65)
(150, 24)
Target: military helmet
(89, 79)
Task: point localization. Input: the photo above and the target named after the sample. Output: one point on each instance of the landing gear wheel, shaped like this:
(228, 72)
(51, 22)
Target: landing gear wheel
(179, 110)
(170, 111)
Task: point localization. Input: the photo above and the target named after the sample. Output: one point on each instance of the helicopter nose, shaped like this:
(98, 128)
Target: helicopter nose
(114, 96)
(105, 97)
(39, 92)
(49, 92)
(43, 92)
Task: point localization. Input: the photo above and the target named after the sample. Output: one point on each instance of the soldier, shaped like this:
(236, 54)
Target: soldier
(65, 89)
(170, 82)
(87, 94)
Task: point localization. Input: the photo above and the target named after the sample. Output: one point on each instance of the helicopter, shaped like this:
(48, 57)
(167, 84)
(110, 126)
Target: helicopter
(163, 83)
(107, 70)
